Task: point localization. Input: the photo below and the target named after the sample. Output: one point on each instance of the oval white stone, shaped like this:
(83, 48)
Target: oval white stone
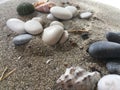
(109, 82)
(85, 15)
(33, 27)
(52, 34)
(39, 19)
(61, 13)
(56, 23)
(51, 17)
(72, 9)
(64, 38)
(16, 25)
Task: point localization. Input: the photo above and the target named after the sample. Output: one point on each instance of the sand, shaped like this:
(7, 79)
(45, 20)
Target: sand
(32, 72)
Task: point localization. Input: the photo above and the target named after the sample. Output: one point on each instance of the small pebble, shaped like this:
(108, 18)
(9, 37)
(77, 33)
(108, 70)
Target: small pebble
(22, 39)
(72, 9)
(85, 15)
(39, 19)
(56, 23)
(85, 36)
(113, 67)
(64, 38)
(51, 17)
(33, 27)
(113, 37)
(109, 82)
(16, 25)
(61, 13)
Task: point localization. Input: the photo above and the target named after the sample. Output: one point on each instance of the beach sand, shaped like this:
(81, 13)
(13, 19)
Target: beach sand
(32, 72)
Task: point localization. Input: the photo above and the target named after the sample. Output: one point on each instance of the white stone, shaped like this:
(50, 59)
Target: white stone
(56, 23)
(39, 19)
(16, 25)
(85, 15)
(51, 17)
(109, 82)
(33, 27)
(61, 13)
(64, 38)
(72, 9)
(52, 34)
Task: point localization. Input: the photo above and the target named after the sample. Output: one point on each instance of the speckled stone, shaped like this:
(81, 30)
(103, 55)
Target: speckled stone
(22, 39)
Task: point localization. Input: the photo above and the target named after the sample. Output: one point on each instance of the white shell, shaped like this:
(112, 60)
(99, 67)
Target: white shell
(52, 34)
(61, 13)
(64, 38)
(16, 25)
(39, 19)
(85, 15)
(109, 82)
(51, 17)
(56, 23)
(72, 9)
(76, 78)
(33, 27)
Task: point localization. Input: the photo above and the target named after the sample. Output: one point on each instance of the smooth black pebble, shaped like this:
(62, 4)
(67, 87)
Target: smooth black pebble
(113, 37)
(113, 67)
(104, 50)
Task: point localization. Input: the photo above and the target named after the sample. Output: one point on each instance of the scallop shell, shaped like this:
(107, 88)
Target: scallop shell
(76, 78)
(44, 7)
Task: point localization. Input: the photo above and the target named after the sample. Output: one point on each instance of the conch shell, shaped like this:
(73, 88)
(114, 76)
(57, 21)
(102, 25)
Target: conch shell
(76, 78)
(42, 6)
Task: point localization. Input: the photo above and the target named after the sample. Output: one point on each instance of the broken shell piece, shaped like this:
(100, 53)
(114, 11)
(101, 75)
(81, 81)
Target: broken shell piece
(39, 19)
(44, 7)
(76, 78)
(56, 23)
(64, 38)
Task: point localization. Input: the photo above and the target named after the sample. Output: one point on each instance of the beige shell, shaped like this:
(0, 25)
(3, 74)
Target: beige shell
(76, 78)
(39, 19)
(52, 34)
(64, 38)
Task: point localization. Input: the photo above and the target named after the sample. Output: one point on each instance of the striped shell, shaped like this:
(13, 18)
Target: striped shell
(43, 7)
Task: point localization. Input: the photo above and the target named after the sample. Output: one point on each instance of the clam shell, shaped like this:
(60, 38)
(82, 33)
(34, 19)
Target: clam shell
(76, 78)
(45, 7)
(104, 50)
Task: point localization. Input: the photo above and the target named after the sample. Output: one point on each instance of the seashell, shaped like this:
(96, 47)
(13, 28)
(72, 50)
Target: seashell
(16, 25)
(39, 19)
(61, 13)
(52, 34)
(56, 23)
(113, 67)
(64, 38)
(51, 17)
(109, 82)
(113, 37)
(72, 9)
(104, 50)
(22, 39)
(85, 15)
(33, 27)
(44, 7)
(76, 78)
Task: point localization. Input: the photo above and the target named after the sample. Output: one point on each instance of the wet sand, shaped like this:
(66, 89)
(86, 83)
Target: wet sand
(30, 60)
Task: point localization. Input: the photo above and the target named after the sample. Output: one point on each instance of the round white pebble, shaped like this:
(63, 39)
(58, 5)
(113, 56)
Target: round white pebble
(16, 25)
(51, 17)
(56, 23)
(33, 27)
(39, 19)
(61, 13)
(64, 38)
